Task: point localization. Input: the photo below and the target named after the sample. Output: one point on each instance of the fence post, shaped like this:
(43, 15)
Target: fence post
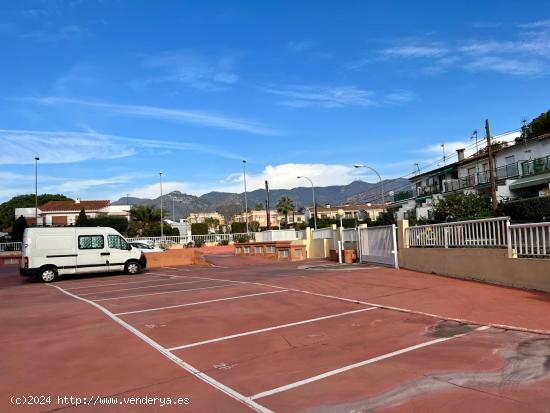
(509, 240)
(446, 235)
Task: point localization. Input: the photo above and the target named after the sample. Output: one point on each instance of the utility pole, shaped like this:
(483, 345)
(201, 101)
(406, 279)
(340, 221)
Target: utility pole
(491, 165)
(36, 159)
(245, 196)
(268, 213)
(161, 212)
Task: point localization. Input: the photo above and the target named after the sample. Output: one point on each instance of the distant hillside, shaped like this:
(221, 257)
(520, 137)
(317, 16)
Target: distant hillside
(229, 204)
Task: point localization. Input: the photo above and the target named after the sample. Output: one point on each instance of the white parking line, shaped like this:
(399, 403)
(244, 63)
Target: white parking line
(201, 302)
(357, 365)
(144, 287)
(177, 269)
(263, 330)
(164, 292)
(186, 366)
(150, 280)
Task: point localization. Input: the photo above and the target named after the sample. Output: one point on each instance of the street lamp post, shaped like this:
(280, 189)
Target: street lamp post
(314, 203)
(161, 218)
(245, 196)
(36, 159)
(360, 165)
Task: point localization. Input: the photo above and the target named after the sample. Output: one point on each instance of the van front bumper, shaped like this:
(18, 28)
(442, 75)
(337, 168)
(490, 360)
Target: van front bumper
(142, 261)
(28, 272)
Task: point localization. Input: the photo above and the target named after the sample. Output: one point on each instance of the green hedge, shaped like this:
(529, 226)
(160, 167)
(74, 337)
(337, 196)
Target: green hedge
(199, 228)
(327, 222)
(238, 227)
(527, 210)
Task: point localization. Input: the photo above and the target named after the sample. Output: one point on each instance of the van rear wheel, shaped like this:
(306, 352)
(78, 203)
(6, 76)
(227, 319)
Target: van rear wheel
(48, 275)
(132, 268)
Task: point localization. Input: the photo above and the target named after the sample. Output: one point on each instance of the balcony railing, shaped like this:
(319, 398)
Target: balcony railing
(427, 190)
(402, 195)
(535, 166)
(451, 185)
(501, 173)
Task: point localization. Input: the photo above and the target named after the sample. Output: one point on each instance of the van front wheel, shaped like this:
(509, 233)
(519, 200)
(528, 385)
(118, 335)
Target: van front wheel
(132, 268)
(48, 275)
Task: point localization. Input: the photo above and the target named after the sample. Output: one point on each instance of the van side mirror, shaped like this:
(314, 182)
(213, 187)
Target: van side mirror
(129, 247)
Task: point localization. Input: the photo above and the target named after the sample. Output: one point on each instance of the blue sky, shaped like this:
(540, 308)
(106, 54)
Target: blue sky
(109, 93)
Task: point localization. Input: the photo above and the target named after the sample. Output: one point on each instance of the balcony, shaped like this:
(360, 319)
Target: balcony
(451, 185)
(501, 173)
(422, 191)
(402, 195)
(535, 166)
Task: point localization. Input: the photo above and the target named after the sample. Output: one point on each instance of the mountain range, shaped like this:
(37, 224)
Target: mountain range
(228, 204)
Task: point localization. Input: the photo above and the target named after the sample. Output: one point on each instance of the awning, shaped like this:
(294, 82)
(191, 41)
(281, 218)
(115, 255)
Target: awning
(531, 181)
(442, 172)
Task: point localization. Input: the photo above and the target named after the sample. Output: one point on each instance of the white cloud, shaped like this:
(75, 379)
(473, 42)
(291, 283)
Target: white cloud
(155, 112)
(21, 146)
(301, 45)
(416, 51)
(399, 97)
(78, 186)
(192, 70)
(505, 65)
(327, 97)
(52, 34)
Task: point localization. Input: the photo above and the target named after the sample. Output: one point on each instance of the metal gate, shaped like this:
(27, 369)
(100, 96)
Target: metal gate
(378, 245)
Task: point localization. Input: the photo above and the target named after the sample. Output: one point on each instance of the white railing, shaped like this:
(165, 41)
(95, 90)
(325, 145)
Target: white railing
(10, 246)
(192, 238)
(531, 240)
(480, 233)
(276, 235)
(350, 235)
(323, 233)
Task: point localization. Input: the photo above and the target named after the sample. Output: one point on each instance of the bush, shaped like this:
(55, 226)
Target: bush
(118, 223)
(18, 229)
(199, 228)
(327, 222)
(527, 210)
(198, 243)
(238, 227)
(223, 242)
(242, 238)
(462, 207)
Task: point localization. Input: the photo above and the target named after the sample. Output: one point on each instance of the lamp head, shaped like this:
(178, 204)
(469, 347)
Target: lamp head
(298, 177)
(36, 158)
(358, 165)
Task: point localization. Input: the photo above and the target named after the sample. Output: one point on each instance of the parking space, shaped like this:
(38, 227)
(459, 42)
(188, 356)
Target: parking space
(290, 337)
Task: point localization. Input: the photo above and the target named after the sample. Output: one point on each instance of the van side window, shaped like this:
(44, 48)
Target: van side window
(117, 242)
(90, 242)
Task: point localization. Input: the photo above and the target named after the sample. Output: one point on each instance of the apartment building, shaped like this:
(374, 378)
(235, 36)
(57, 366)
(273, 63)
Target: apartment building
(200, 217)
(359, 212)
(521, 170)
(63, 213)
(260, 217)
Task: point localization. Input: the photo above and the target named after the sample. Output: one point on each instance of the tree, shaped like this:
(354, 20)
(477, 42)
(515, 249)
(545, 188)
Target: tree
(462, 207)
(199, 228)
(284, 206)
(539, 125)
(213, 223)
(254, 226)
(18, 228)
(7, 209)
(259, 206)
(118, 223)
(82, 219)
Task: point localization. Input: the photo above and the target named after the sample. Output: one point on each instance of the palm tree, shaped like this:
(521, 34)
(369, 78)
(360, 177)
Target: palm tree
(284, 206)
(145, 214)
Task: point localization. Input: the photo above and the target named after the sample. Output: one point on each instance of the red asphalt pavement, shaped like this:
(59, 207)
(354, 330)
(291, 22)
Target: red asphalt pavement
(255, 335)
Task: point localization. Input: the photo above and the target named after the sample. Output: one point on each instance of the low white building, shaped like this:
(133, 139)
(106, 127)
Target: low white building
(63, 213)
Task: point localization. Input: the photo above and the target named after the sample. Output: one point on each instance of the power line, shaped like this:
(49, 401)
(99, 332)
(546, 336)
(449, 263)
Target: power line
(414, 173)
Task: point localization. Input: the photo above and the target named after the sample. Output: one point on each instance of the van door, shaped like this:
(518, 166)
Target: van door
(92, 254)
(118, 250)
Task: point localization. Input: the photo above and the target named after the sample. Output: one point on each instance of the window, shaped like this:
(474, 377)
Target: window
(90, 242)
(259, 250)
(471, 171)
(283, 253)
(298, 253)
(271, 250)
(238, 250)
(510, 159)
(117, 242)
(247, 250)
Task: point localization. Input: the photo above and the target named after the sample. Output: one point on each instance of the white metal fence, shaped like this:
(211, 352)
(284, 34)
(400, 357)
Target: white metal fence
(350, 235)
(277, 235)
(491, 233)
(531, 240)
(194, 238)
(322, 233)
(10, 246)
(378, 245)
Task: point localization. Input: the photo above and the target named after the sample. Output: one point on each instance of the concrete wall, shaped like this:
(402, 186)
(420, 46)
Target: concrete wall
(179, 256)
(490, 265)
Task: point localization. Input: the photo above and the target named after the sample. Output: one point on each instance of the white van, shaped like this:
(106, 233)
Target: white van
(51, 252)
